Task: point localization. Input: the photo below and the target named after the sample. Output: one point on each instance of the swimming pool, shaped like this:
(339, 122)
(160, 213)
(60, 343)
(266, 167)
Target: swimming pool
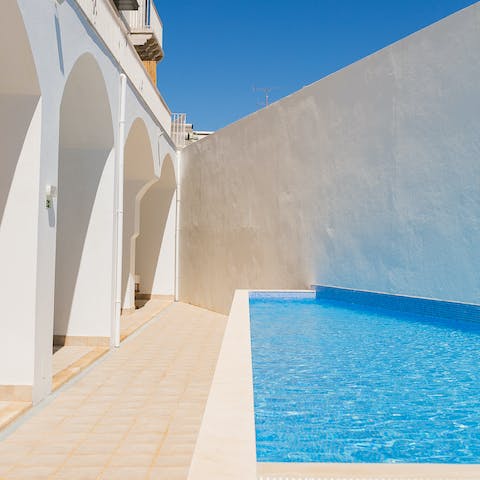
(344, 382)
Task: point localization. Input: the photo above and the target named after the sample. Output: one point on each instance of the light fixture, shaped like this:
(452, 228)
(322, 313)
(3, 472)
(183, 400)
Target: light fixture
(50, 194)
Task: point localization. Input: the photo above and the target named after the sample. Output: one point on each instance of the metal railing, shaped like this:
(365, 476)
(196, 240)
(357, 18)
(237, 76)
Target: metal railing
(179, 121)
(145, 19)
(155, 22)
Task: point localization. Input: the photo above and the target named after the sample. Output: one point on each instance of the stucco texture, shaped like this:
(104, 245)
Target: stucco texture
(367, 179)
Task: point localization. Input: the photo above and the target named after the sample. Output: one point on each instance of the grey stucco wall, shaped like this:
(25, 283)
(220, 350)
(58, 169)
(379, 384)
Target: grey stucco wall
(368, 179)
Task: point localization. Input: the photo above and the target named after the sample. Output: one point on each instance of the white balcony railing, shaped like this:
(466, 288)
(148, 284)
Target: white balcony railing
(156, 24)
(146, 30)
(178, 133)
(145, 19)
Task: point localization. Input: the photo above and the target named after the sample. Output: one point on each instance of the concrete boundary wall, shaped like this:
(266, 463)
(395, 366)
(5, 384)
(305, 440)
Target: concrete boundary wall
(368, 179)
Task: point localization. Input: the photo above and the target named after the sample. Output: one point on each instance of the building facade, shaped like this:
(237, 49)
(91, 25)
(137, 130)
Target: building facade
(86, 157)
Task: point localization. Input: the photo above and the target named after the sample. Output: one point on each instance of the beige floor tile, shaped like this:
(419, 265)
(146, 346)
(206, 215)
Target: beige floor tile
(69, 438)
(178, 428)
(92, 448)
(154, 427)
(172, 448)
(94, 460)
(168, 473)
(11, 458)
(78, 473)
(90, 419)
(52, 448)
(4, 469)
(43, 460)
(125, 473)
(130, 448)
(112, 428)
(30, 473)
(176, 461)
(70, 426)
(132, 460)
(102, 438)
(7, 447)
(182, 438)
(153, 438)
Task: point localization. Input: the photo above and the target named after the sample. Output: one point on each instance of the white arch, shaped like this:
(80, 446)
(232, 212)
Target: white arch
(155, 246)
(83, 272)
(139, 176)
(20, 131)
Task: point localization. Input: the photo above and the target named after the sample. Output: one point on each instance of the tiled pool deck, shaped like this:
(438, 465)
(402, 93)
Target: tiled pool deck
(136, 414)
(68, 361)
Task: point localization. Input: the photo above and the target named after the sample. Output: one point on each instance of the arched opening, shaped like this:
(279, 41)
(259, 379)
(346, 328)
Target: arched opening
(139, 175)
(83, 268)
(155, 246)
(20, 131)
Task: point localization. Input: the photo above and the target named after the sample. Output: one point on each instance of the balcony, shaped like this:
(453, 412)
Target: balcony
(146, 30)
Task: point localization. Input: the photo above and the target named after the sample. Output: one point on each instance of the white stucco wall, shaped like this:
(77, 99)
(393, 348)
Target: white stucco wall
(18, 234)
(20, 139)
(368, 179)
(155, 246)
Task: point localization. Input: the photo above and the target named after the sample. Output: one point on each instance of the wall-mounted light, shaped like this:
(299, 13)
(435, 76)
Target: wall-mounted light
(50, 194)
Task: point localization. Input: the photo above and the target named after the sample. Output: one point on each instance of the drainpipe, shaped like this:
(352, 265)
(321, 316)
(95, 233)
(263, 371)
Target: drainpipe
(177, 227)
(119, 210)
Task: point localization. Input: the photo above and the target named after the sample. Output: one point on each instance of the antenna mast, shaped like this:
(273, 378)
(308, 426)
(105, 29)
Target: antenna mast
(266, 91)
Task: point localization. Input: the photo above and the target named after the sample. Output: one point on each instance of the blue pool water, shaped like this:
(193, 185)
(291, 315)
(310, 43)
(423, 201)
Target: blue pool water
(336, 382)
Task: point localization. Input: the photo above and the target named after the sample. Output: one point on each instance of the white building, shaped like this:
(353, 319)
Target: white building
(82, 126)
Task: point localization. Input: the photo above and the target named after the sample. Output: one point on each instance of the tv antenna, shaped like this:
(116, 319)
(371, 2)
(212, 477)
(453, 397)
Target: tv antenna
(266, 91)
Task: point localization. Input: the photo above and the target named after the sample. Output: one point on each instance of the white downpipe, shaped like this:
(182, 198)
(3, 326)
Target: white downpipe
(177, 228)
(119, 210)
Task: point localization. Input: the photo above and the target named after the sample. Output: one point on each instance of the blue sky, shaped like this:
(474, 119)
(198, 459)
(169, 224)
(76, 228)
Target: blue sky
(217, 50)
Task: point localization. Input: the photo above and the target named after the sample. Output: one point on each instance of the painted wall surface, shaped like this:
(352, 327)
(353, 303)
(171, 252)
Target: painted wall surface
(155, 247)
(20, 137)
(368, 179)
(18, 224)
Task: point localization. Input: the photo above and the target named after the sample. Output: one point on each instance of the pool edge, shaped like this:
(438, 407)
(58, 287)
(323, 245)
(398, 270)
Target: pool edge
(367, 471)
(226, 448)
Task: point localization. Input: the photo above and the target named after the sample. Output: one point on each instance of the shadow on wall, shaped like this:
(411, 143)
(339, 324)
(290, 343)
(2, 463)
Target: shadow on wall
(19, 96)
(139, 174)
(16, 112)
(155, 250)
(86, 142)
